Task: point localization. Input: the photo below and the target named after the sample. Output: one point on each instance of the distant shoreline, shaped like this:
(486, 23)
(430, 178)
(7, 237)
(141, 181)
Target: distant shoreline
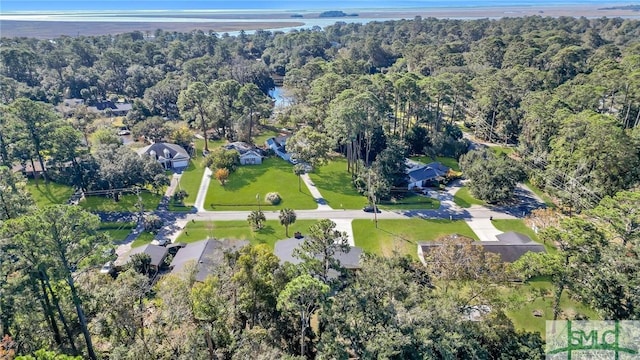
(47, 25)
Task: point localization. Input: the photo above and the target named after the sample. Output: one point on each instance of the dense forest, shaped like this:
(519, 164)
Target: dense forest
(564, 93)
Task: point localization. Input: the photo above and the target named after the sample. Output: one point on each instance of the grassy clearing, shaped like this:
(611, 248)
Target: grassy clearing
(500, 150)
(240, 230)
(464, 199)
(411, 201)
(117, 231)
(46, 194)
(273, 175)
(260, 139)
(403, 236)
(541, 194)
(334, 183)
(212, 145)
(127, 202)
(144, 238)
(537, 295)
(446, 161)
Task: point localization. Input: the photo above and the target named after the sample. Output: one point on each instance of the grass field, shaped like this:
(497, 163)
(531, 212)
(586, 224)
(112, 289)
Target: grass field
(144, 238)
(117, 231)
(537, 295)
(247, 182)
(403, 236)
(190, 180)
(127, 202)
(334, 183)
(263, 135)
(240, 230)
(446, 161)
(411, 201)
(464, 199)
(46, 194)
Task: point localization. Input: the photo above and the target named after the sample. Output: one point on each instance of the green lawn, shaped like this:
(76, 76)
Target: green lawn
(334, 183)
(46, 194)
(446, 161)
(212, 145)
(144, 238)
(240, 230)
(411, 201)
(127, 202)
(264, 134)
(117, 231)
(403, 236)
(541, 194)
(538, 295)
(463, 198)
(190, 180)
(273, 175)
(498, 150)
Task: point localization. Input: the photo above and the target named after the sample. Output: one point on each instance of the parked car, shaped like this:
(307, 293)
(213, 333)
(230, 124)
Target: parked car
(124, 132)
(160, 242)
(371, 209)
(107, 268)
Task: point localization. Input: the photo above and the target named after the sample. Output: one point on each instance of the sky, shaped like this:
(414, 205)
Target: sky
(93, 5)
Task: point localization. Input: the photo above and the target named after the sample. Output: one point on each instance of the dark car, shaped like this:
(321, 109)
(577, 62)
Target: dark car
(370, 209)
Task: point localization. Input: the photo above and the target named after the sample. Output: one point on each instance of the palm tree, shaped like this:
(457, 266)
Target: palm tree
(255, 219)
(287, 217)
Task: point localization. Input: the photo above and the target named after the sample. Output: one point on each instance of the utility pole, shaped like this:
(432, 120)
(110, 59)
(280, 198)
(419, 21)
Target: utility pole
(372, 199)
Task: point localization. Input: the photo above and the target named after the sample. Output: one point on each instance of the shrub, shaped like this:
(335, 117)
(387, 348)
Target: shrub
(222, 175)
(179, 196)
(273, 198)
(152, 223)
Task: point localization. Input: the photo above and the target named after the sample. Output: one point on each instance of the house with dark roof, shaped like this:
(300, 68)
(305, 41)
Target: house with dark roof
(116, 108)
(171, 156)
(422, 176)
(284, 250)
(510, 246)
(156, 253)
(68, 106)
(205, 255)
(249, 154)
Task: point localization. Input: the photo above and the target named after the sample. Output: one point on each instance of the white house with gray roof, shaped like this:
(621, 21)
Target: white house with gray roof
(171, 156)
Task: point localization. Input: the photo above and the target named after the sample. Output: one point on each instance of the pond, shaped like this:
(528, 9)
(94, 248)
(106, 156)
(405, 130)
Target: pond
(280, 98)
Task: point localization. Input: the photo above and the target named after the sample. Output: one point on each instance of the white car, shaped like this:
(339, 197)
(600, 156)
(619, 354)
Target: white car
(107, 268)
(160, 242)
(124, 132)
